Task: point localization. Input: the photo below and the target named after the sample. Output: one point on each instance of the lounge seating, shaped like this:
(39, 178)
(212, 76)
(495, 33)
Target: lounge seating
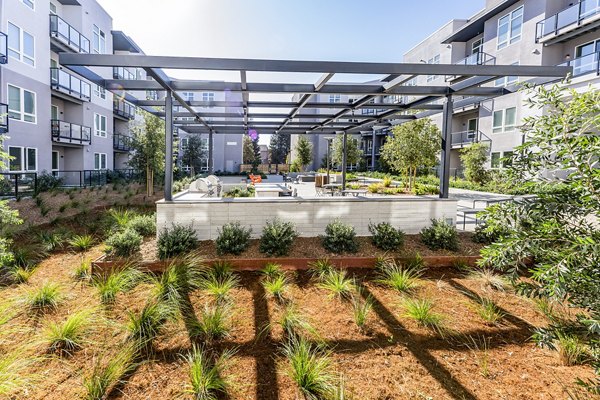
(216, 183)
(255, 178)
(202, 185)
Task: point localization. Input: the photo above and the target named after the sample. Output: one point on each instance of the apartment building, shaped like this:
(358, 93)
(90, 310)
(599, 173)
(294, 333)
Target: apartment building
(505, 32)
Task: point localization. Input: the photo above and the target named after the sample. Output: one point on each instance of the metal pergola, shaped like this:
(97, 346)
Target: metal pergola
(325, 118)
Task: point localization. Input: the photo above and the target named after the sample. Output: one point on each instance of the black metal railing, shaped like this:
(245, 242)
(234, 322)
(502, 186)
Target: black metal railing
(121, 142)
(123, 108)
(125, 175)
(66, 132)
(81, 178)
(64, 82)
(67, 35)
(572, 15)
(3, 48)
(15, 184)
(584, 65)
(124, 73)
(465, 138)
(3, 118)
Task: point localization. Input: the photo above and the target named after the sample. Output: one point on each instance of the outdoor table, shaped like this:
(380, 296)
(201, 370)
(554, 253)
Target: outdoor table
(332, 187)
(269, 190)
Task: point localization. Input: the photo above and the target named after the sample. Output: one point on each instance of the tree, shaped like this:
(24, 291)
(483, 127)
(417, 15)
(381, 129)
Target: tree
(279, 147)
(303, 152)
(412, 145)
(194, 154)
(8, 216)
(556, 230)
(148, 144)
(474, 158)
(353, 153)
(251, 152)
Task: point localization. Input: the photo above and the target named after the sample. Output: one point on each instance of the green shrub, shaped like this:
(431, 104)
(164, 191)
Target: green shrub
(81, 242)
(425, 189)
(277, 238)
(386, 237)
(488, 234)
(340, 238)
(374, 187)
(176, 241)
(233, 238)
(47, 182)
(440, 235)
(124, 244)
(145, 225)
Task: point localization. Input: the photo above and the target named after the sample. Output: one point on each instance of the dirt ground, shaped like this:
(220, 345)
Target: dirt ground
(393, 359)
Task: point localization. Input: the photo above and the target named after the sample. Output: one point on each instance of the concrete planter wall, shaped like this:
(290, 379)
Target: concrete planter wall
(311, 216)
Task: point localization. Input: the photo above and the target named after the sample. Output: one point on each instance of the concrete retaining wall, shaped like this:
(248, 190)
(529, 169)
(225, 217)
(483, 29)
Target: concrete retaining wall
(410, 214)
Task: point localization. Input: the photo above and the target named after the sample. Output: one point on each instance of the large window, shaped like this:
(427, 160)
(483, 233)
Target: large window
(433, 60)
(21, 104)
(510, 28)
(21, 45)
(505, 120)
(23, 159)
(99, 39)
(99, 125)
(99, 161)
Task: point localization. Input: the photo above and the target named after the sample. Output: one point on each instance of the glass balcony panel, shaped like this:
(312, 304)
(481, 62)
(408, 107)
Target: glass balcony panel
(68, 35)
(567, 17)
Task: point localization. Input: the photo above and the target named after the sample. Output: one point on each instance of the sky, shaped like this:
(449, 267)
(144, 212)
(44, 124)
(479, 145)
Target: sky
(328, 30)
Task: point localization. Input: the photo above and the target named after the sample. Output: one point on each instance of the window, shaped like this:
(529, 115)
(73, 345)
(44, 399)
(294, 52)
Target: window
(54, 112)
(99, 160)
(29, 3)
(368, 111)
(510, 27)
(23, 159)
(53, 9)
(495, 160)
(433, 60)
(505, 120)
(99, 38)
(507, 159)
(100, 92)
(99, 125)
(55, 161)
(21, 45)
(208, 96)
(204, 144)
(184, 143)
(21, 104)
(335, 98)
(507, 80)
(477, 46)
(188, 96)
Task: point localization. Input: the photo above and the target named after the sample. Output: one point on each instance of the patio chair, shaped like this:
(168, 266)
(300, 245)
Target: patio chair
(216, 183)
(255, 178)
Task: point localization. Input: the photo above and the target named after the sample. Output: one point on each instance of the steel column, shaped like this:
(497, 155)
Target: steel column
(446, 147)
(344, 159)
(168, 146)
(373, 151)
(211, 163)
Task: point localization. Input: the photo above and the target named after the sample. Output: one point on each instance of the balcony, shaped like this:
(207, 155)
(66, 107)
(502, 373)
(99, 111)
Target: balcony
(122, 143)
(584, 65)
(123, 109)
(3, 48)
(569, 23)
(479, 58)
(124, 73)
(467, 138)
(68, 133)
(67, 38)
(65, 83)
(3, 118)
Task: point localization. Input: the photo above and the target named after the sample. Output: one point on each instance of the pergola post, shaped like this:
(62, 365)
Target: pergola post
(446, 147)
(211, 163)
(168, 146)
(373, 151)
(344, 159)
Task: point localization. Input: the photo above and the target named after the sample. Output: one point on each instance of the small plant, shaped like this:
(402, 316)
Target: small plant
(386, 237)
(219, 288)
(387, 182)
(13, 372)
(213, 323)
(276, 287)
(103, 378)
(571, 350)
(490, 280)
(480, 348)
(360, 310)
(488, 311)
(176, 241)
(124, 244)
(340, 238)
(144, 225)
(271, 270)
(108, 286)
(421, 310)
(374, 188)
(415, 262)
(277, 238)
(310, 369)
(83, 271)
(320, 268)
(232, 238)
(338, 284)
(206, 381)
(81, 242)
(146, 326)
(51, 241)
(440, 236)
(75, 204)
(62, 208)
(121, 217)
(45, 297)
(401, 279)
(180, 277)
(294, 324)
(20, 275)
(68, 336)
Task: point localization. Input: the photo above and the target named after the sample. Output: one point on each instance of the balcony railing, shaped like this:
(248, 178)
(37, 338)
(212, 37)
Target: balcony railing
(123, 109)
(584, 65)
(480, 58)
(3, 48)
(121, 142)
(3, 118)
(66, 132)
(124, 73)
(67, 35)
(69, 84)
(465, 138)
(571, 16)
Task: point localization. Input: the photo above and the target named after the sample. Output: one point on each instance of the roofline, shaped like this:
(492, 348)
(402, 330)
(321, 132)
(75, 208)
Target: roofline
(129, 40)
(431, 34)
